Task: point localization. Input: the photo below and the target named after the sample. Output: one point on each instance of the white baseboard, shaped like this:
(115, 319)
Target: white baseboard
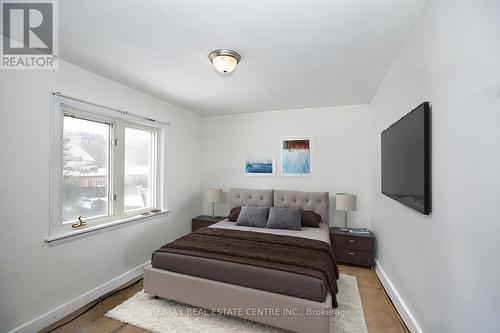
(65, 309)
(397, 300)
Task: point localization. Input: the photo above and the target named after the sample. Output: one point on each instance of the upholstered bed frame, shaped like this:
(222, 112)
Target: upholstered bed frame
(211, 294)
(315, 201)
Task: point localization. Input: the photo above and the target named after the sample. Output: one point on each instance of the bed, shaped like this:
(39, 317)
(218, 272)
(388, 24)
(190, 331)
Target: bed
(297, 300)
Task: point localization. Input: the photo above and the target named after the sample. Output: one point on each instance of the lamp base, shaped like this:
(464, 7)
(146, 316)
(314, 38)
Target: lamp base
(346, 229)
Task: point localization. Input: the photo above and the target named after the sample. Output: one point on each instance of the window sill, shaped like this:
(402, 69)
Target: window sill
(92, 230)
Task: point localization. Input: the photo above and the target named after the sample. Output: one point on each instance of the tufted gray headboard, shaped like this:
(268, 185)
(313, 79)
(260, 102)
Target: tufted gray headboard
(315, 201)
(246, 197)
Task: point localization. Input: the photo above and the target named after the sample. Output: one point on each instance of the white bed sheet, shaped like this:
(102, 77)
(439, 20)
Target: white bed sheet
(322, 233)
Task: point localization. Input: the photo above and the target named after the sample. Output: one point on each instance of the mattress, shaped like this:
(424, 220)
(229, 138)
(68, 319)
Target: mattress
(250, 276)
(322, 233)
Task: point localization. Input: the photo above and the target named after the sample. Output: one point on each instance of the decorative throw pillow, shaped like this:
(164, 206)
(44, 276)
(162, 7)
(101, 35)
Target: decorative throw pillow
(253, 217)
(310, 219)
(233, 214)
(284, 218)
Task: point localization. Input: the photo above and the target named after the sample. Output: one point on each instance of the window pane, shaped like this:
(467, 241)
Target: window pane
(138, 169)
(85, 168)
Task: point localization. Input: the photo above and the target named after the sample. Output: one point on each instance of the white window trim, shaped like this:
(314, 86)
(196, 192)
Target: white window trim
(59, 232)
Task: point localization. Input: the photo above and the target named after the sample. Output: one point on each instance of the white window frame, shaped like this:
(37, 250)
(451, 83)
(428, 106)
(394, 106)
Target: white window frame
(61, 106)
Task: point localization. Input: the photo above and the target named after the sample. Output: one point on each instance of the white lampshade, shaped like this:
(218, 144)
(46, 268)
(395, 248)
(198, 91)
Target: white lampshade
(214, 195)
(225, 64)
(345, 201)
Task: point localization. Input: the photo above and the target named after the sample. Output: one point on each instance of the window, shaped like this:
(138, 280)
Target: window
(106, 167)
(86, 176)
(139, 168)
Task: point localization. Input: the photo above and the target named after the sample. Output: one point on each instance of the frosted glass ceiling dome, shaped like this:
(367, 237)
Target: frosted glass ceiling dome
(224, 60)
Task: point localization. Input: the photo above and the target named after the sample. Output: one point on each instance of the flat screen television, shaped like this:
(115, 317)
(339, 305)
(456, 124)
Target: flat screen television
(406, 172)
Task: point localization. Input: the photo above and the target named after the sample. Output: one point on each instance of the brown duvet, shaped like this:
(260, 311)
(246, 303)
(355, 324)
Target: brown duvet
(304, 258)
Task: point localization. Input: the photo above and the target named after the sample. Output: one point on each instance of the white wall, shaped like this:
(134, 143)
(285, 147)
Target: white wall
(341, 152)
(36, 278)
(446, 267)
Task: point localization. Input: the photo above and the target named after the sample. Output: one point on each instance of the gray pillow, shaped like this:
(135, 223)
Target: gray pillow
(253, 217)
(284, 218)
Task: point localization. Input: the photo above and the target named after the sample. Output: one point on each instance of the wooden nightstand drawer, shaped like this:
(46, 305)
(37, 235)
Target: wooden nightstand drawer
(353, 248)
(354, 243)
(204, 221)
(200, 224)
(354, 256)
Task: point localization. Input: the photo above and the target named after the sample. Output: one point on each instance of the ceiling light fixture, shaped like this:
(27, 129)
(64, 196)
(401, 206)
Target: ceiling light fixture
(224, 60)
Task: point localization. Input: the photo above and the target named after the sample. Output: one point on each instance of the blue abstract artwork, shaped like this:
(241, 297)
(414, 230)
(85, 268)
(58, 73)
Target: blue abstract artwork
(259, 166)
(296, 157)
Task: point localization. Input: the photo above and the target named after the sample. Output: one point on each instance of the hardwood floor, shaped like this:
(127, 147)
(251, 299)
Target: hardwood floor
(379, 313)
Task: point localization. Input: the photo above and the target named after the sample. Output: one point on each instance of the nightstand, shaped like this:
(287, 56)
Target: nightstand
(353, 248)
(203, 221)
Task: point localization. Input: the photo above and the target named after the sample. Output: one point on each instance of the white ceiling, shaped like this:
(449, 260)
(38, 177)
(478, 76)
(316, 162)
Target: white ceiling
(295, 53)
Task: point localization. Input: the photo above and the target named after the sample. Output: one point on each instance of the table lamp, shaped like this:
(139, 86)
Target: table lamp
(213, 196)
(345, 202)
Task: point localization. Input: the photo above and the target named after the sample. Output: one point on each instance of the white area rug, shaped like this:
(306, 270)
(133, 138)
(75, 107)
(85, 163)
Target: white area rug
(162, 316)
